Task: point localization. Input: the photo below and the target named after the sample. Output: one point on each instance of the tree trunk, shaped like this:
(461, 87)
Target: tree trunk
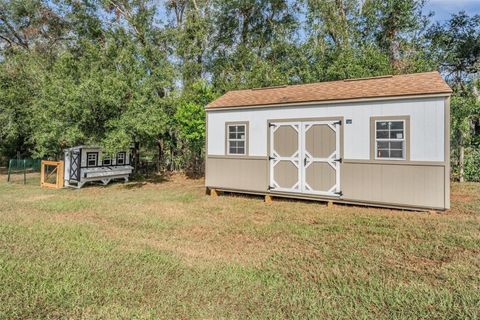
(172, 159)
(136, 156)
(160, 155)
(392, 42)
(461, 160)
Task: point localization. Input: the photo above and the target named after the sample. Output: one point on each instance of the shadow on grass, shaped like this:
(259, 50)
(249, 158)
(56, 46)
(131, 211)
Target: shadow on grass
(322, 202)
(139, 181)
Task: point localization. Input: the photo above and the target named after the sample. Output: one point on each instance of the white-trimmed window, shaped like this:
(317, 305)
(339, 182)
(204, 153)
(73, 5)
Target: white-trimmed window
(107, 160)
(92, 158)
(121, 158)
(390, 139)
(237, 139)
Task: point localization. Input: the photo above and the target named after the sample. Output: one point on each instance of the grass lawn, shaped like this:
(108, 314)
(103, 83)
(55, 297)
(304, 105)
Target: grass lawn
(166, 250)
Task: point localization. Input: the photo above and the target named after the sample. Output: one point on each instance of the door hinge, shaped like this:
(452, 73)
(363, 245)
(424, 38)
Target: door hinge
(340, 193)
(339, 122)
(272, 125)
(338, 160)
(271, 158)
(270, 188)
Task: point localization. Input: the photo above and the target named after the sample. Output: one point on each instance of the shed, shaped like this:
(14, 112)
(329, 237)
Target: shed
(89, 163)
(381, 141)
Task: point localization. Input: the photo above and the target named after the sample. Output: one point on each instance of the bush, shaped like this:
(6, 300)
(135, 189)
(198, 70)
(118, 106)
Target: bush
(472, 164)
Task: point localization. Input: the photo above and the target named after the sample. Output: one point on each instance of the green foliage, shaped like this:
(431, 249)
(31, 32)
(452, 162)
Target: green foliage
(455, 46)
(253, 44)
(190, 120)
(191, 124)
(127, 73)
(472, 164)
(19, 83)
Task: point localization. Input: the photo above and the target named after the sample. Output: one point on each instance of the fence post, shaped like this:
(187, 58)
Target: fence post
(24, 172)
(9, 168)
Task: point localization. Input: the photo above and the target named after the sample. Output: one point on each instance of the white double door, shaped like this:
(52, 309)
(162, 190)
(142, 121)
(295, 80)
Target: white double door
(304, 157)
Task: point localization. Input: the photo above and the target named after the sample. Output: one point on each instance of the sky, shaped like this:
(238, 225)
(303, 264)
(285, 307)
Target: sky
(444, 8)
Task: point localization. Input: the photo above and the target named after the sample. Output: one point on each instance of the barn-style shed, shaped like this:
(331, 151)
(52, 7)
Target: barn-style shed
(89, 163)
(380, 141)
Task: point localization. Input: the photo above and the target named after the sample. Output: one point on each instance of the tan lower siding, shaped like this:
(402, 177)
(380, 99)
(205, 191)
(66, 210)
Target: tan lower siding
(237, 173)
(399, 185)
(396, 184)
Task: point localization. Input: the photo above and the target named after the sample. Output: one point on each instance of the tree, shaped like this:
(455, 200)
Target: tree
(456, 48)
(125, 73)
(189, 34)
(253, 44)
(190, 122)
(30, 25)
(20, 80)
(397, 27)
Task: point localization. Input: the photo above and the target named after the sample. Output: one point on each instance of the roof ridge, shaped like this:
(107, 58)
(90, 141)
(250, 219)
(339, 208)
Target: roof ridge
(331, 81)
(272, 87)
(369, 78)
(386, 85)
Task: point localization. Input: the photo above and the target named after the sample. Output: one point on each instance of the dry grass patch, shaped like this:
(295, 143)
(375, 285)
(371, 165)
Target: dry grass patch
(166, 250)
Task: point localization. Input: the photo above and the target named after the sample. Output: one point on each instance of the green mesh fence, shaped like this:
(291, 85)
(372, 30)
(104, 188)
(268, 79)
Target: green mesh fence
(23, 166)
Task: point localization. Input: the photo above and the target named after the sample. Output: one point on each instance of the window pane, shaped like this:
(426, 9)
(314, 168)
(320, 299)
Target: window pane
(236, 139)
(382, 145)
(396, 145)
(382, 125)
(396, 154)
(238, 136)
(382, 154)
(396, 125)
(396, 134)
(390, 132)
(382, 134)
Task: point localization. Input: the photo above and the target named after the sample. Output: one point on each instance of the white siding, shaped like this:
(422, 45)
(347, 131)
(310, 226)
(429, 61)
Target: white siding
(66, 170)
(426, 125)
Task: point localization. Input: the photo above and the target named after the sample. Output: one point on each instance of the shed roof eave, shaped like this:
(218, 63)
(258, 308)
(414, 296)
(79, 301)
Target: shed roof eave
(323, 102)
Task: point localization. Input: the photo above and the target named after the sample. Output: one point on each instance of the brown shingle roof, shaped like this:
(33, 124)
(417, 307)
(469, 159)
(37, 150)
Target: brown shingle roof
(377, 87)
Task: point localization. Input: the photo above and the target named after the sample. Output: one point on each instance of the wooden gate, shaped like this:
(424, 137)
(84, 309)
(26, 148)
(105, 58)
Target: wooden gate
(49, 170)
